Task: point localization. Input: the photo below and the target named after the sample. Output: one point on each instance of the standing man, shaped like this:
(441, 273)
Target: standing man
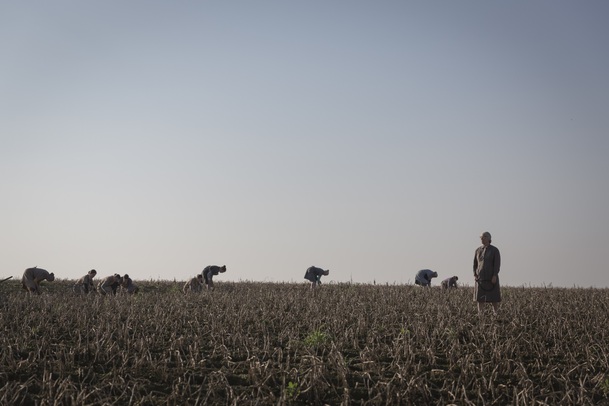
(487, 262)
(33, 276)
(424, 277)
(209, 272)
(85, 284)
(314, 274)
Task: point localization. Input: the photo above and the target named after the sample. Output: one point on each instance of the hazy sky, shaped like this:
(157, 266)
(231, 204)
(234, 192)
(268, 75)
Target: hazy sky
(373, 138)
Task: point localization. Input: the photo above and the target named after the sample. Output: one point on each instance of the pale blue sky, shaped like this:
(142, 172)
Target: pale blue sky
(370, 138)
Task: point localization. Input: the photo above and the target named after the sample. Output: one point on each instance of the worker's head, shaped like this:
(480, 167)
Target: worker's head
(485, 237)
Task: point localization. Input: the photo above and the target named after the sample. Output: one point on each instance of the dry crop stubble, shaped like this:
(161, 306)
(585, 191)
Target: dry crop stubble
(263, 343)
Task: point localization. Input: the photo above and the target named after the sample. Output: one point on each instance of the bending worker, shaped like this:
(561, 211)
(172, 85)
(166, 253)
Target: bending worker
(314, 274)
(33, 276)
(85, 284)
(110, 284)
(195, 285)
(209, 272)
(450, 282)
(424, 277)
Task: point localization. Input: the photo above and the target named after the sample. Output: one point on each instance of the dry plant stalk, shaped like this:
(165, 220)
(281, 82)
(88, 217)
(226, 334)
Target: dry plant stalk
(261, 343)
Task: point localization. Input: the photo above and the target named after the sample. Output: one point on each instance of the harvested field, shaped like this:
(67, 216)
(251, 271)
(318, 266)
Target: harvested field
(261, 343)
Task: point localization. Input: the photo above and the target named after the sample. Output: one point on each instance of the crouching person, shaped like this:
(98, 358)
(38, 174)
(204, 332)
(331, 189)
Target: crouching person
(85, 284)
(130, 287)
(110, 284)
(450, 282)
(209, 272)
(32, 277)
(314, 274)
(424, 277)
(195, 285)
